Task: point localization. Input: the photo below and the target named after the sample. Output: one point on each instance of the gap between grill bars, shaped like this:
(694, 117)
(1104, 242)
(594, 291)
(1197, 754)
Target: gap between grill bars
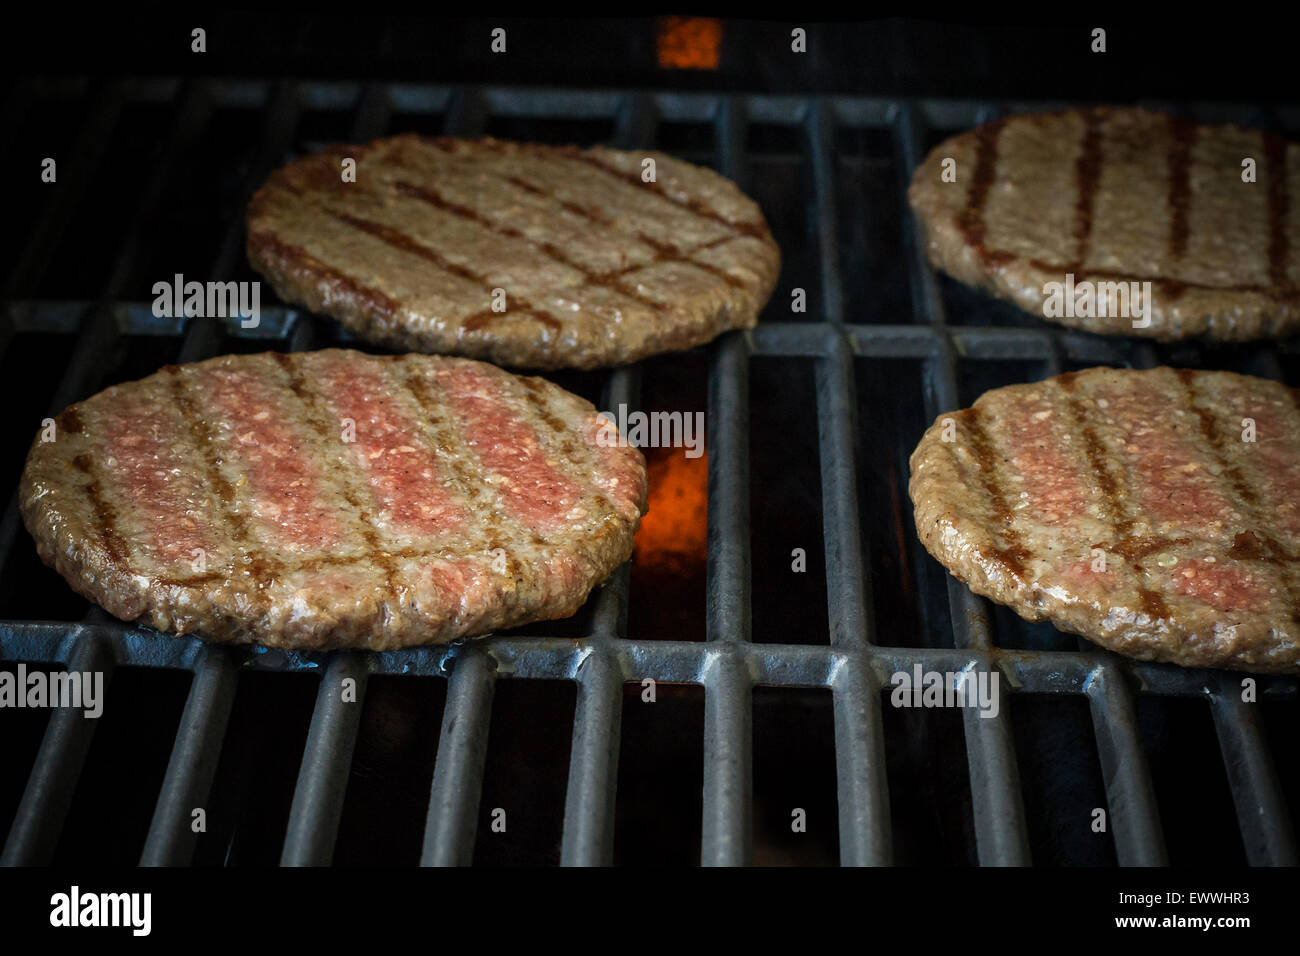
(855, 664)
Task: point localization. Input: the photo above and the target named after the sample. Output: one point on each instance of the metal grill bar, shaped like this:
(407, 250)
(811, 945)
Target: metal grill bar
(820, 131)
(908, 135)
(1000, 828)
(466, 113)
(588, 838)
(859, 735)
(593, 763)
(727, 719)
(557, 658)
(770, 339)
(458, 772)
(1001, 832)
(374, 107)
(53, 781)
(728, 571)
(635, 124)
(323, 775)
(728, 746)
(609, 620)
(193, 763)
(865, 837)
(847, 576)
(1134, 820)
(1266, 828)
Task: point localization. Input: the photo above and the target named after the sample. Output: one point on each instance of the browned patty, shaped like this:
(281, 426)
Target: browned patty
(1125, 506)
(1122, 195)
(333, 499)
(598, 267)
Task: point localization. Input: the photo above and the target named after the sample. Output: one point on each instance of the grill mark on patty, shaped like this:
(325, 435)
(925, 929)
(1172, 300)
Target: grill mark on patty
(533, 393)
(1275, 150)
(507, 446)
(316, 419)
(696, 207)
(1255, 543)
(1280, 288)
(1277, 471)
(664, 251)
(403, 477)
(1123, 542)
(1013, 556)
(566, 204)
(400, 240)
(1182, 137)
(1214, 440)
(667, 252)
(281, 475)
(480, 320)
(105, 519)
(548, 249)
(445, 433)
(142, 486)
(577, 465)
(266, 245)
(500, 527)
(1171, 481)
(971, 218)
(1087, 175)
(510, 524)
(203, 438)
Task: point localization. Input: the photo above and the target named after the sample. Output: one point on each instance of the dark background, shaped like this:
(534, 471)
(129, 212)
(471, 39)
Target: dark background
(1214, 55)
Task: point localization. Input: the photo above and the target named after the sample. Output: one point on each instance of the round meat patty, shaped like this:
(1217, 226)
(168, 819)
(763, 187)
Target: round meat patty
(1154, 512)
(1115, 196)
(333, 499)
(525, 255)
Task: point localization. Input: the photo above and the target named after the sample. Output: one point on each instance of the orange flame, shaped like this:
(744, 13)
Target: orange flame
(689, 43)
(674, 532)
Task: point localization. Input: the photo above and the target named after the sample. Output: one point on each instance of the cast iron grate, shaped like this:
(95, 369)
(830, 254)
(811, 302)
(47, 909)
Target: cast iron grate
(854, 664)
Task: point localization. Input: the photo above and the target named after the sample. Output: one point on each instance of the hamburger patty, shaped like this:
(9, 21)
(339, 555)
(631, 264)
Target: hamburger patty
(333, 499)
(1131, 507)
(1121, 196)
(595, 267)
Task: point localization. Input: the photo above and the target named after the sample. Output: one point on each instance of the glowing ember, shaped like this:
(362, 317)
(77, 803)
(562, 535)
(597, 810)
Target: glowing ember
(674, 533)
(689, 43)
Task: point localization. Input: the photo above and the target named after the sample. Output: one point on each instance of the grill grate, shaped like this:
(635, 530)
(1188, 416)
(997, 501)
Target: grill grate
(854, 664)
